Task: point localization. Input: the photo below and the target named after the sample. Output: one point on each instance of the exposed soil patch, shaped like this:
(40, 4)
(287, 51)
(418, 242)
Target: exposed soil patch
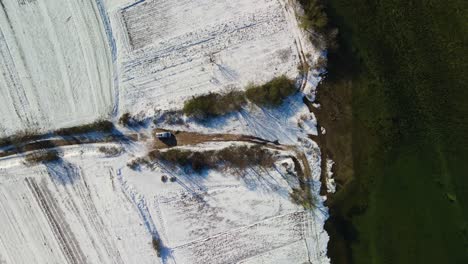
(335, 115)
(334, 95)
(184, 138)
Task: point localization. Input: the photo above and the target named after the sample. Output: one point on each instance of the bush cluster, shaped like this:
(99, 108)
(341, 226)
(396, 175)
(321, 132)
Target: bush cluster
(213, 104)
(19, 138)
(137, 163)
(125, 119)
(98, 126)
(196, 160)
(244, 156)
(42, 156)
(302, 197)
(25, 136)
(111, 151)
(271, 93)
(239, 157)
(128, 120)
(315, 16)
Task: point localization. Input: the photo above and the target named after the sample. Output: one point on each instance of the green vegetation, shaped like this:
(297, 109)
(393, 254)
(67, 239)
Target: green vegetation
(407, 200)
(315, 16)
(211, 105)
(271, 93)
(315, 19)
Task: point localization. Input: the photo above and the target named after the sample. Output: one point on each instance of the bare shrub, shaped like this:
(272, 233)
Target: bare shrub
(157, 245)
(164, 178)
(128, 120)
(244, 156)
(240, 157)
(303, 68)
(197, 161)
(136, 163)
(111, 151)
(41, 144)
(125, 119)
(301, 197)
(171, 117)
(174, 118)
(98, 126)
(41, 156)
(321, 63)
(20, 138)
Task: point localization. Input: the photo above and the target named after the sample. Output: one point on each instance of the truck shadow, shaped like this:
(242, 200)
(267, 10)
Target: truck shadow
(170, 142)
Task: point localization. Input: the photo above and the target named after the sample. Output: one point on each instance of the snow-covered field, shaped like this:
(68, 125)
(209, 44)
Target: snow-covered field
(91, 209)
(71, 62)
(171, 50)
(55, 65)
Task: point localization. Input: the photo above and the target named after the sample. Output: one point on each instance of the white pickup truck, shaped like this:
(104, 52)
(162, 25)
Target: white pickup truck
(164, 135)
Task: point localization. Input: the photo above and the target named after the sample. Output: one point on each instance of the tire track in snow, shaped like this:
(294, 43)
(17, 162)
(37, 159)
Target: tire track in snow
(65, 238)
(98, 225)
(139, 201)
(89, 216)
(14, 85)
(90, 63)
(103, 14)
(160, 218)
(247, 241)
(59, 56)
